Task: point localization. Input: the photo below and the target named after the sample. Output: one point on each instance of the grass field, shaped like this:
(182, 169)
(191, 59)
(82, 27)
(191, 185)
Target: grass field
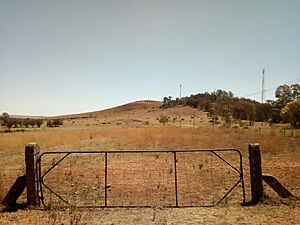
(136, 127)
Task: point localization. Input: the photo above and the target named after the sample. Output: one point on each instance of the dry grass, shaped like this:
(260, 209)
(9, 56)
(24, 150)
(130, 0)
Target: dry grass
(12, 144)
(145, 138)
(280, 157)
(261, 214)
(2, 193)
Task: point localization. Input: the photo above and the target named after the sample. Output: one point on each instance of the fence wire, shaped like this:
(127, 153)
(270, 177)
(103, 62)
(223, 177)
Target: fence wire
(141, 178)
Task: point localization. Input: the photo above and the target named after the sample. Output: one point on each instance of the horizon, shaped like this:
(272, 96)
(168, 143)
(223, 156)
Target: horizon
(119, 105)
(66, 57)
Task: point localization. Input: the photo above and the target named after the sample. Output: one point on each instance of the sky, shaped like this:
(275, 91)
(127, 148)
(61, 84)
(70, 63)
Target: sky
(69, 56)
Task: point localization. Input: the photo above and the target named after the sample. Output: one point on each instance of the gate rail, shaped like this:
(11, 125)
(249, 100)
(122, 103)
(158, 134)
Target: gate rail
(216, 152)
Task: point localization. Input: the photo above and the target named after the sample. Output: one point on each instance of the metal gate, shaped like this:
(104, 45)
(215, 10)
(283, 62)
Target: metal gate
(141, 178)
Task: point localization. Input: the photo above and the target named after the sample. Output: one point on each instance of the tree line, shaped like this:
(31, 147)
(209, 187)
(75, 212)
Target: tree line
(14, 122)
(222, 103)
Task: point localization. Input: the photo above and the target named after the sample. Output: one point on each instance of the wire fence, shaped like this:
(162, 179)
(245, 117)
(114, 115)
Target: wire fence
(174, 178)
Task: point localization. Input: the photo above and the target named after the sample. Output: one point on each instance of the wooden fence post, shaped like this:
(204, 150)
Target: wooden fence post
(32, 151)
(14, 193)
(255, 173)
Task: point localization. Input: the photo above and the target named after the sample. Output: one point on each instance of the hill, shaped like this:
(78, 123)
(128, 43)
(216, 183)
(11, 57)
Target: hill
(143, 104)
(136, 114)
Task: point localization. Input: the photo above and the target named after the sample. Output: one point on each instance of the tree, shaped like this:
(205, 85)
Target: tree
(163, 119)
(295, 91)
(275, 116)
(7, 121)
(263, 112)
(227, 116)
(39, 122)
(57, 122)
(32, 122)
(50, 123)
(54, 123)
(5, 116)
(213, 115)
(286, 94)
(167, 102)
(26, 122)
(291, 113)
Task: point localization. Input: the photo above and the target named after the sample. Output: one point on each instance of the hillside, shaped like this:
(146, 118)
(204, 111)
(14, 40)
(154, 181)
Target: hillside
(137, 114)
(143, 104)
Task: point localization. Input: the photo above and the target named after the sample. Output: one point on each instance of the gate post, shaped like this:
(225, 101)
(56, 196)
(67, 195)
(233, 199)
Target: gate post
(32, 151)
(255, 173)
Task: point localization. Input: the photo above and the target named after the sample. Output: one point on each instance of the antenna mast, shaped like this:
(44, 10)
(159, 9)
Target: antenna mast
(180, 91)
(263, 90)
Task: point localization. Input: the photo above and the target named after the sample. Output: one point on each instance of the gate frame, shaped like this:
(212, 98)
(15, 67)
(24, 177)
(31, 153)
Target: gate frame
(41, 183)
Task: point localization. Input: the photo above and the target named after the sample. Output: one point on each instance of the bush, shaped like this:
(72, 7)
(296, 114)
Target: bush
(39, 122)
(54, 123)
(163, 119)
(10, 122)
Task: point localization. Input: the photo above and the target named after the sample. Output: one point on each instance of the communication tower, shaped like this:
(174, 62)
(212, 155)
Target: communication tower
(263, 90)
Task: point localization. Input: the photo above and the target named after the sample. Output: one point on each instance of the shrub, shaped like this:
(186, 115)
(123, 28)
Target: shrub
(39, 122)
(54, 123)
(163, 119)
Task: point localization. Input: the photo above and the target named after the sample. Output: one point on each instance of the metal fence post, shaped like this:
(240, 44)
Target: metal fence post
(105, 180)
(32, 152)
(175, 180)
(255, 173)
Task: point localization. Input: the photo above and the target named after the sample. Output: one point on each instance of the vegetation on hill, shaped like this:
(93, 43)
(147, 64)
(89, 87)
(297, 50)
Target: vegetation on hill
(13, 122)
(9, 122)
(54, 123)
(222, 103)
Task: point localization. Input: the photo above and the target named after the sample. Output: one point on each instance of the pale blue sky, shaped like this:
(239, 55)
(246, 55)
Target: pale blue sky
(69, 56)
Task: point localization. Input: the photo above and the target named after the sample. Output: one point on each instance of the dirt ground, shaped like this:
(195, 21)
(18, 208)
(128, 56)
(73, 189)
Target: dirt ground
(234, 214)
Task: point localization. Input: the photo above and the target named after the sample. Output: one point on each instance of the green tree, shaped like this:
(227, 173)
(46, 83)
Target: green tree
(212, 114)
(54, 123)
(50, 123)
(291, 113)
(263, 112)
(32, 122)
(283, 93)
(227, 116)
(26, 122)
(286, 93)
(295, 91)
(7, 121)
(57, 122)
(39, 122)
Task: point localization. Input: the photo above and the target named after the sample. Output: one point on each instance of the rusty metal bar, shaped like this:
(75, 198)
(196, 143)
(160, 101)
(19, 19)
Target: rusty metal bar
(38, 186)
(59, 161)
(105, 180)
(222, 159)
(106, 205)
(242, 177)
(41, 196)
(175, 179)
(41, 177)
(142, 151)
